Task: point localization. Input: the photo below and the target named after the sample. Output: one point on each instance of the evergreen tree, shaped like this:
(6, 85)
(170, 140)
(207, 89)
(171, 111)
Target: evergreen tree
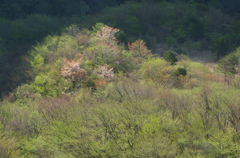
(227, 65)
(170, 57)
(219, 47)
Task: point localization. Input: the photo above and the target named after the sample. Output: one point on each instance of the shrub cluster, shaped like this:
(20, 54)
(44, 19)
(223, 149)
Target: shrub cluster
(85, 59)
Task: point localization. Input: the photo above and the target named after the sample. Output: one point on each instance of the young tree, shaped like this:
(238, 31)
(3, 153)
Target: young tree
(219, 47)
(170, 57)
(139, 48)
(227, 65)
(107, 34)
(140, 53)
(104, 72)
(72, 71)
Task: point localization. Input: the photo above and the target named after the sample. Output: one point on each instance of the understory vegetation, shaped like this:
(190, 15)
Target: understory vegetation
(89, 95)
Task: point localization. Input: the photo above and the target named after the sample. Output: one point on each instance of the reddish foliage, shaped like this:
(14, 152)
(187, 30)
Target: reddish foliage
(99, 82)
(71, 69)
(139, 48)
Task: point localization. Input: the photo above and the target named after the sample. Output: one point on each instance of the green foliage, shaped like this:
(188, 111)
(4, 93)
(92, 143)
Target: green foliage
(50, 82)
(49, 86)
(72, 30)
(171, 41)
(40, 82)
(189, 28)
(127, 54)
(27, 31)
(219, 47)
(37, 147)
(139, 113)
(155, 131)
(133, 25)
(180, 71)
(237, 52)
(158, 70)
(97, 27)
(25, 94)
(215, 4)
(127, 90)
(77, 8)
(170, 57)
(228, 64)
(37, 62)
(8, 144)
(130, 118)
(222, 144)
(195, 69)
(121, 37)
(34, 123)
(90, 83)
(186, 21)
(202, 7)
(101, 54)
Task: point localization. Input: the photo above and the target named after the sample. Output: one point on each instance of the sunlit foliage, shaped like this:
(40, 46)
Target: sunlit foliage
(92, 97)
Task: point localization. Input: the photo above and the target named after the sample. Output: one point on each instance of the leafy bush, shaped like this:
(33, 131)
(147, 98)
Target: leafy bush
(51, 83)
(121, 37)
(83, 40)
(140, 51)
(102, 53)
(180, 71)
(228, 64)
(97, 27)
(158, 70)
(8, 144)
(195, 69)
(170, 57)
(37, 147)
(25, 94)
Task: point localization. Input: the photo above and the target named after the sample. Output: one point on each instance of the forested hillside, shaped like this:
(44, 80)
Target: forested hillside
(79, 79)
(200, 24)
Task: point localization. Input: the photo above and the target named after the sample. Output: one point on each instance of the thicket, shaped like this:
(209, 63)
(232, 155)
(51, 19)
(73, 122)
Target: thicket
(91, 96)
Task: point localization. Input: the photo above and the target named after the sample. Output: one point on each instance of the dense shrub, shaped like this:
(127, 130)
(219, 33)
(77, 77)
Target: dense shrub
(170, 57)
(8, 144)
(228, 65)
(158, 70)
(180, 71)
